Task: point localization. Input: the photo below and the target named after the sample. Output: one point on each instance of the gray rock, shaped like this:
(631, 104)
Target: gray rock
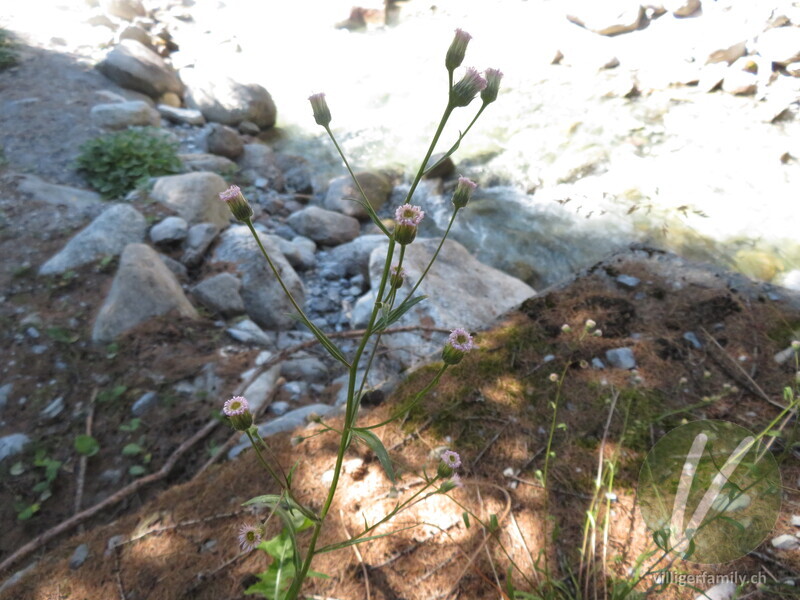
(178, 269)
(142, 288)
(691, 337)
(221, 99)
(168, 231)
(628, 281)
(780, 44)
(220, 293)
(111, 476)
(263, 297)
(262, 388)
(112, 543)
(135, 32)
(721, 591)
(288, 422)
(198, 239)
(258, 161)
(343, 193)
(208, 162)
(610, 17)
(224, 141)
(79, 556)
(621, 358)
(52, 410)
(353, 257)
(298, 174)
(296, 389)
(121, 115)
(146, 402)
(118, 226)
(12, 444)
(194, 196)
(362, 310)
(305, 253)
(598, 364)
(248, 332)
(324, 226)
(287, 339)
(127, 10)
(5, 393)
(59, 195)
(462, 292)
(134, 66)
(279, 408)
(308, 369)
(682, 8)
(181, 116)
(249, 128)
(795, 521)
(16, 577)
(729, 55)
(785, 542)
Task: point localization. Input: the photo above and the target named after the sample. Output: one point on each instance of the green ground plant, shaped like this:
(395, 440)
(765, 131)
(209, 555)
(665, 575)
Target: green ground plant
(117, 163)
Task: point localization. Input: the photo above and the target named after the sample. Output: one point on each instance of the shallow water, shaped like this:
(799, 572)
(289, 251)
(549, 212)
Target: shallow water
(569, 168)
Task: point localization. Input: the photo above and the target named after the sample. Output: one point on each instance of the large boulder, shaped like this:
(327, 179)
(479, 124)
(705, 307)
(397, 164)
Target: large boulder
(324, 226)
(194, 196)
(780, 44)
(264, 300)
(134, 66)
(224, 100)
(352, 258)
(121, 115)
(461, 291)
(143, 288)
(118, 226)
(343, 195)
(127, 10)
(59, 195)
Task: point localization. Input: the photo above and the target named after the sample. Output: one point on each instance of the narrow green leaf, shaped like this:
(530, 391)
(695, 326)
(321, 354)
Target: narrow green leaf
(465, 518)
(397, 313)
(375, 444)
(355, 541)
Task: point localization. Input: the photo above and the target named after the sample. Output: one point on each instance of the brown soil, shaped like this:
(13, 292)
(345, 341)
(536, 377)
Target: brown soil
(494, 409)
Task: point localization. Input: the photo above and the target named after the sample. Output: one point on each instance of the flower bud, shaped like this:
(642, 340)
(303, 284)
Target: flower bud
(322, 114)
(458, 344)
(238, 412)
(236, 202)
(397, 277)
(489, 93)
(590, 324)
(465, 90)
(457, 50)
(463, 192)
(796, 345)
(566, 328)
(408, 217)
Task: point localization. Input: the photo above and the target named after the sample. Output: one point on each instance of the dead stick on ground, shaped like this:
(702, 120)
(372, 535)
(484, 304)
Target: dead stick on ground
(84, 457)
(129, 489)
(358, 555)
(133, 487)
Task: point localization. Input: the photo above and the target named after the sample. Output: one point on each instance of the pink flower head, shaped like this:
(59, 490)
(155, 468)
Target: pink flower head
(237, 203)
(493, 77)
(235, 407)
(451, 459)
(409, 215)
(465, 90)
(463, 192)
(322, 114)
(457, 50)
(250, 536)
(232, 193)
(460, 339)
(456, 480)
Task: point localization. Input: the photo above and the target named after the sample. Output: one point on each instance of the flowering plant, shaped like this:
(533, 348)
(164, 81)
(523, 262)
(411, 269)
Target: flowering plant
(291, 564)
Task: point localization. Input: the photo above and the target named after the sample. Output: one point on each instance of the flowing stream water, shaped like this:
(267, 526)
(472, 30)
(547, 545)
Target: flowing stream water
(571, 167)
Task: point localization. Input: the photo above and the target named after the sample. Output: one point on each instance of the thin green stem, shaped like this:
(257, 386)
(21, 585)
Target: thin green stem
(404, 409)
(281, 482)
(434, 257)
(368, 206)
(420, 172)
(454, 147)
(277, 274)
